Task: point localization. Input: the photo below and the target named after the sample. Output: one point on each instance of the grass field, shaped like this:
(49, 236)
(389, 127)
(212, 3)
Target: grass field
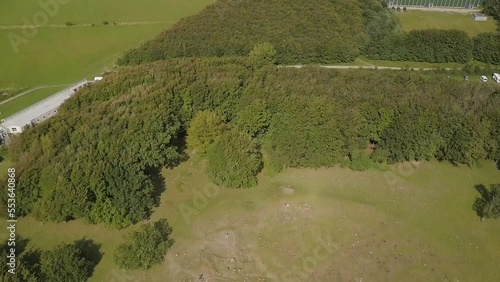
(415, 20)
(58, 54)
(412, 220)
(97, 11)
(67, 55)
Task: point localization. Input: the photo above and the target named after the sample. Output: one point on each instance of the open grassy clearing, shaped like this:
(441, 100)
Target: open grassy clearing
(98, 11)
(25, 101)
(409, 220)
(66, 55)
(416, 20)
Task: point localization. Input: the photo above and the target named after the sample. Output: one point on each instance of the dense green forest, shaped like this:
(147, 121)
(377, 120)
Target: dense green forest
(317, 31)
(99, 158)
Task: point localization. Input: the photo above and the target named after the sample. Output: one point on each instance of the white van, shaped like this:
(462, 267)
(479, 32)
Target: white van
(496, 77)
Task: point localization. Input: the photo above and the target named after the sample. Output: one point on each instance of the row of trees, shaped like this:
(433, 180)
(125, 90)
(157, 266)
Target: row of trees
(301, 31)
(486, 48)
(319, 31)
(387, 40)
(437, 46)
(99, 158)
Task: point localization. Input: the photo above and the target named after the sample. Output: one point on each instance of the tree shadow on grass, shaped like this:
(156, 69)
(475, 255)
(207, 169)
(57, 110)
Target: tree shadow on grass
(165, 230)
(28, 259)
(159, 184)
(181, 149)
(488, 204)
(498, 164)
(91, 251)
(483, 192)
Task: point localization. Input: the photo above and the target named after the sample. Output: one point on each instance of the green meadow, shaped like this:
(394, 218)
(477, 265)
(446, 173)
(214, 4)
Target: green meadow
(408, 220)
(97, 11)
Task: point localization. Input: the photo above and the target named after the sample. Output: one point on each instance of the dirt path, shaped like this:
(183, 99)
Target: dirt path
(31, 90)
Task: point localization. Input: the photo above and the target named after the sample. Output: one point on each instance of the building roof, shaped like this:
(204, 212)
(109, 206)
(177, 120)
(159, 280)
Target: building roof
(25, 116)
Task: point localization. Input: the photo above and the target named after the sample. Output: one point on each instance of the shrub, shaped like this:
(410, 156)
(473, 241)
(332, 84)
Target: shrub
(145, 247)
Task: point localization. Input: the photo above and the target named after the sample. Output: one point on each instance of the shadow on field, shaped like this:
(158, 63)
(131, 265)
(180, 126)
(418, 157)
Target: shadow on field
(482, 191)
(181, 148)
(498, 164)
(90, 250)
(159, 185)
(29, 258)
(483, 204)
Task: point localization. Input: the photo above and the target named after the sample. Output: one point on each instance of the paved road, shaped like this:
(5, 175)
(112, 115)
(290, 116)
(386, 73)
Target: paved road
(31, 90)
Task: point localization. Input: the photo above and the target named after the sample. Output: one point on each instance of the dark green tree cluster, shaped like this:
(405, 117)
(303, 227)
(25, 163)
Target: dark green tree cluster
(488, 204)
(432, 45)
(492, 8)
(97, 164)
(99, 157)
(301, 31)
(234, 160)
(387, 41)
(66, 262)
(204, 129)
(487, 48)
(317, 31)
(145, 247)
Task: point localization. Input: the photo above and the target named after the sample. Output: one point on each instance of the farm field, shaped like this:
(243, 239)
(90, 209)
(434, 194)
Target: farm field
(97, 11)
(416, 20)
(380, 225)
(58, 54)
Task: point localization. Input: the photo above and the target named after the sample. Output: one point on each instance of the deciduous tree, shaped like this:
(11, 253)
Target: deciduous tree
(145, 247)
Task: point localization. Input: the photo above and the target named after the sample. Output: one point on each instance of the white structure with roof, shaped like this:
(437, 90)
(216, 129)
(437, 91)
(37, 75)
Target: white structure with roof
(38, 112)
(496, 77)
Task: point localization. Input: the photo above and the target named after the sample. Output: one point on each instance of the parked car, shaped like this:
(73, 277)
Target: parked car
(483, 78)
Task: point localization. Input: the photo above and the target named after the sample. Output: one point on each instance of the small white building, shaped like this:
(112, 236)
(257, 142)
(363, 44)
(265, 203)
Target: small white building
(479, 17)
(13, 129)
(98, 78)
